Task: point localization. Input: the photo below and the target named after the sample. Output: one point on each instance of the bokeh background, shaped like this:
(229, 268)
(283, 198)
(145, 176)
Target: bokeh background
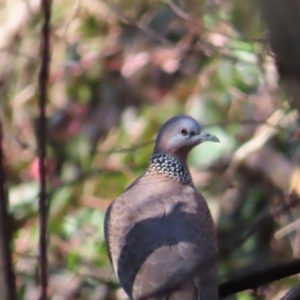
(119, 70)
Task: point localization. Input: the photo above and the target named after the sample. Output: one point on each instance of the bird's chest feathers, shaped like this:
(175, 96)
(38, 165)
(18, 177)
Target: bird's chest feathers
(159, 201)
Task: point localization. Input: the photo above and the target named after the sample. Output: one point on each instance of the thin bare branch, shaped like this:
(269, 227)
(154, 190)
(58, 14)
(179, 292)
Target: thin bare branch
(291, 202)
(179, 12)
(76, 11)
(42, 145)
(128, 149)
(245, 122)
(7, 276)
(143, 27)
(256, 279)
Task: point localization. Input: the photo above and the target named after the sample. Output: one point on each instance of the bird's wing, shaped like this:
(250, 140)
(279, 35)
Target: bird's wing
(161, 265)
(159, 246)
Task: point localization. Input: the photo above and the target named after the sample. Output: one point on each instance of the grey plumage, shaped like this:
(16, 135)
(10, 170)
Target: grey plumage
(161, 225)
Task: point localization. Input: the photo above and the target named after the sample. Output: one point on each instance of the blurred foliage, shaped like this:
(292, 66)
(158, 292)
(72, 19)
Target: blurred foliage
(118, 71)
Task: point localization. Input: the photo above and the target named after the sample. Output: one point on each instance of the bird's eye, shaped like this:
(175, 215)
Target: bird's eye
(183, 131)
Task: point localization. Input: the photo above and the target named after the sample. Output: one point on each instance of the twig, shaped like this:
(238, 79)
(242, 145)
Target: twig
(144, 28)
(256, 279)
(17, 21)
(128, 149)
(179, 12)
(42, 147)
(292, 201)
(289, 228)
(7, 276)
(84, 176)
(72, 18)
(261, 136)
(17, 53)
(245, 122)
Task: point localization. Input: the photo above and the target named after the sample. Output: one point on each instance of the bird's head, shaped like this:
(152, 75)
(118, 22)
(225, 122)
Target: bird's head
(179, 135)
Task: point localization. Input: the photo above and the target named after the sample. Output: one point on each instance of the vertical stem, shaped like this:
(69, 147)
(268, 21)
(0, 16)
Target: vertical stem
(7, 276)
(42, 144)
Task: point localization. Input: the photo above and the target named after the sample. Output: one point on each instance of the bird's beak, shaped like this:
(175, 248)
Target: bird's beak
(207, 137)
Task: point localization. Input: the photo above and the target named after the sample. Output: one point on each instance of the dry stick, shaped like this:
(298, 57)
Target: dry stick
(292, 201)
(7, 276)
(179, 12)
(256, 279)
(141, 26)
(42, 139)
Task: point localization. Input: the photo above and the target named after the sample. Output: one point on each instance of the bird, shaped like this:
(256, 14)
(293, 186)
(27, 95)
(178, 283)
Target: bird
(161, 224)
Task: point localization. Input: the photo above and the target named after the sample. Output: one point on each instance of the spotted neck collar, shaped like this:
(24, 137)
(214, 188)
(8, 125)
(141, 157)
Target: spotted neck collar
(169, 167)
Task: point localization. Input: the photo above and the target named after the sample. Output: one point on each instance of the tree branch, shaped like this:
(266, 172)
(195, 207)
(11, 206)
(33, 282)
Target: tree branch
(7, 276)
(256, 279)
(42, 147)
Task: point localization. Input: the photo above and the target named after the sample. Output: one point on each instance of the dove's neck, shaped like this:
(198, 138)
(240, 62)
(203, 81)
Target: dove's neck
(170, 167)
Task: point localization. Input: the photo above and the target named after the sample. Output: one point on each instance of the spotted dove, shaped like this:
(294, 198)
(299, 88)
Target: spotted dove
(161, 224)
